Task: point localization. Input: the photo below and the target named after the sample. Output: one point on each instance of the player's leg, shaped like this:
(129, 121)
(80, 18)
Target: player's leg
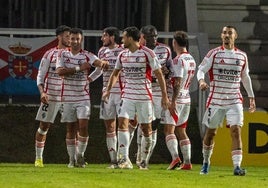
(234, 117)
(183, 111)
(46, 115)
(213, 117)
(139, 137)
(71, 132)
(172, 145)
(40, 139)
(111, 140)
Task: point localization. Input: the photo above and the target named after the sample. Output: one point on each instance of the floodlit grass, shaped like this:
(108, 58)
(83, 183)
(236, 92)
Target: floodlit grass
(97, 175)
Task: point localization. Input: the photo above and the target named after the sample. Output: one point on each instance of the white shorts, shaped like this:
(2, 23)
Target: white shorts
(48, 112)
(111, 109)
(180, 118)
(73, 111)
(214, 116)
(143, 110)
(157, 107)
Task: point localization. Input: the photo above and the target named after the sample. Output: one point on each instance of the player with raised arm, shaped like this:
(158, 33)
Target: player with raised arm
(73, 65)
(137, 63)
(227, 67)
(49, 85)
(175, 119)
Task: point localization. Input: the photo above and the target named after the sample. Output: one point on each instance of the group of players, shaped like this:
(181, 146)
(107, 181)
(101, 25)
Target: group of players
(143, 87)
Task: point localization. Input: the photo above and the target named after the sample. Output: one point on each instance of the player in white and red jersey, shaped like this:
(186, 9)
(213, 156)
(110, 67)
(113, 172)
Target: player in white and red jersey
(73, 65)
(175, 119)
(227, 67)
(49, 85)
(108, 111)
(137, 63)
(149, 39)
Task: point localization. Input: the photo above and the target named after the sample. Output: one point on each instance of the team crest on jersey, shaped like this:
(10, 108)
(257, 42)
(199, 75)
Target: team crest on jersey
(80, 62)
(160, 56)
(116, 53)
(137, 59)
(237, 62)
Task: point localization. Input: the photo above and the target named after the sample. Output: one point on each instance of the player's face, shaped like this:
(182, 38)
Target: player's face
(65, 39)
(76, 41)
(228, 37)
(126, 40)
(106, 39)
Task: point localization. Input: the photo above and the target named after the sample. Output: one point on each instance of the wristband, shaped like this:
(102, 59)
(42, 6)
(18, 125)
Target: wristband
(77, 68)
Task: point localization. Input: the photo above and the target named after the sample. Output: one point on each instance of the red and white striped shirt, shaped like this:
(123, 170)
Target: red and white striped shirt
(137, 68)
(48, 77)
(183, 66)
(75, 88)
(163, 54)
(110, 55)
(226, 69)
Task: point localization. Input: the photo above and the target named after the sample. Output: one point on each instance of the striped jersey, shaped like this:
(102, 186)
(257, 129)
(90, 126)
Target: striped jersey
(183, 66)
(137, 68)
(110, 55)
(225, 69)
(48, 77)
(163, 54)
(75, 87)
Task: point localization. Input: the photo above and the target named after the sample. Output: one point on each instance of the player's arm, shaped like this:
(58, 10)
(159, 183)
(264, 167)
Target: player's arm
(42, 72)
(112, 80)
(159, 75)
(246, 80)
(95, 74)
(202, 70)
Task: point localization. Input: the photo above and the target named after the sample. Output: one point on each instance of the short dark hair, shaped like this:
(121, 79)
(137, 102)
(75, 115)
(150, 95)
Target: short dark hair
(181, 38)
(61, 29)
(149, 30)
(231, 27)
(76, 31)
(133, 32)
(113, 31)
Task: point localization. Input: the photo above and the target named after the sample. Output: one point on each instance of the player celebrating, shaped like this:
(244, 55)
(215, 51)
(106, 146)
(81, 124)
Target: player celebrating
(163, 53)
(108, 111)
(175, 119)
(227, 67)
(73, 65)
(49, 85)
(137, 63)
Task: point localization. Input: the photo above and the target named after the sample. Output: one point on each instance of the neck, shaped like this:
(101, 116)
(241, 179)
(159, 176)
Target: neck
(228, 46)
(133, 47)
(112, 46)
(181, 50)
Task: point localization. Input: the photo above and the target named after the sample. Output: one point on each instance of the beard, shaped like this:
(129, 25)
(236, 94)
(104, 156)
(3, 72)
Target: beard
(66, 44)
(107, 44)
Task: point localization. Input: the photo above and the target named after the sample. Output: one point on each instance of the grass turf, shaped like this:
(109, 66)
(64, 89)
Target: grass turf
(97, 175)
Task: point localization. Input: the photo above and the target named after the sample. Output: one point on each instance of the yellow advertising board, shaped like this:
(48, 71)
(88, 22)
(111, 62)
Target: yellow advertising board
(254, 137)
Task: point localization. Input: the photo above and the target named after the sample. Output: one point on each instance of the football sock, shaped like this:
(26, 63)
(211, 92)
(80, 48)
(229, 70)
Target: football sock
(146, 144)
(82, 144)
(111, 141)
(123, 143)
(39, 148)
(172, 145)
(71, 148)
(185, 146)
(237, 157)
(207, 152)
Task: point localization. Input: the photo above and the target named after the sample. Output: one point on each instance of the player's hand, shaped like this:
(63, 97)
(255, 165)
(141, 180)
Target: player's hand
(252, 105)
(105, 96)
(84, 66)
(172, 108)
(165, 103)
(203, 85)
(104, 65)
(44, 98)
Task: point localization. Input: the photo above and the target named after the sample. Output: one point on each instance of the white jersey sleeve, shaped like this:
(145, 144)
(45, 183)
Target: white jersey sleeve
(246, 80)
